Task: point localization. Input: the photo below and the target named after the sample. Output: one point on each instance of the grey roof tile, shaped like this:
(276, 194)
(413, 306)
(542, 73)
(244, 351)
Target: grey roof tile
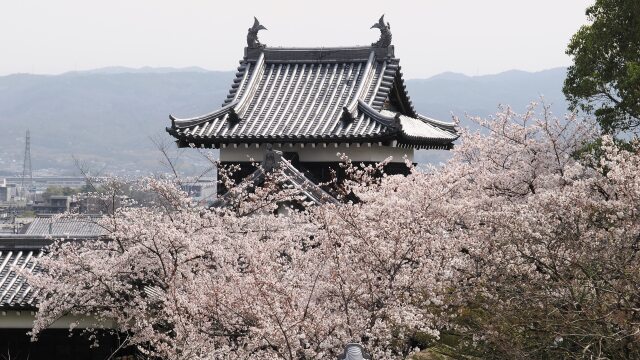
(65, 227)
(312, 95)
(14, 291)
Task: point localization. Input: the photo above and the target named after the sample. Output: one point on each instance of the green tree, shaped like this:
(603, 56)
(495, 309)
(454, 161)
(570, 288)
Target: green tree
(605, 77)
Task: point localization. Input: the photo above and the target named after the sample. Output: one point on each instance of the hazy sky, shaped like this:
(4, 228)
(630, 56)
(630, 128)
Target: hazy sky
(431, 36)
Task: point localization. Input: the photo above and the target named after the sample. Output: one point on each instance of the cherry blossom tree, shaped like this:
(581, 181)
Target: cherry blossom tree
(522, 245)
(553, 240)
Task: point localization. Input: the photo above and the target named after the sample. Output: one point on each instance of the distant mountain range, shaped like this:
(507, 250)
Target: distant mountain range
(143, 70)
(106, 116)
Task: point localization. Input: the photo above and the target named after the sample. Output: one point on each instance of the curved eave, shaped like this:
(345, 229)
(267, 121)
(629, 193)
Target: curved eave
(426, 142)
(186, 140)
(178, 123)
(420, 132)
(444, 125)
(234, 106)
(425, 132)
(394, 136)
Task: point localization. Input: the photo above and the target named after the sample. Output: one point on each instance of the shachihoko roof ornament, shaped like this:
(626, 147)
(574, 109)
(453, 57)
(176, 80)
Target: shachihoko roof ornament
(385, 33)
(352, 95)
(252, 35)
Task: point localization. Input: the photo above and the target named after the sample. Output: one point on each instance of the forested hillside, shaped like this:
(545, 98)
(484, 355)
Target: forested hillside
(107, 116)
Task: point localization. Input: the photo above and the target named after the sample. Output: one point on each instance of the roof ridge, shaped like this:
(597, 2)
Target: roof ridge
(446, 125)
(305, 48)
(236, 107)
(386, 120)
(361, 78)
(318, 54)
(251, 87)
(350, 108)
(180, 123)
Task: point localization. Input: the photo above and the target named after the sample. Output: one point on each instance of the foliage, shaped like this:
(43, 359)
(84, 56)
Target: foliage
(555, 242)
(605, 76)
(514, 249)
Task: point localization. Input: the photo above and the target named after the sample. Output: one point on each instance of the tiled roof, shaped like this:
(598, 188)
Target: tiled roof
(315, 95)
(20, 252)
(65, 227)
(14, 291)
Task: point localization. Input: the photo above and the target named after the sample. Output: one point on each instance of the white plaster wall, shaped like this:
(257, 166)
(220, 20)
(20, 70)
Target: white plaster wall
(319, 153)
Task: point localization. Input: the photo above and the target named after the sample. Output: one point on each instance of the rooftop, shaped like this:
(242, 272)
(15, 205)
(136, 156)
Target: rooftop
(74, 227)
(14, 291)
(20, 252)
(316, 95)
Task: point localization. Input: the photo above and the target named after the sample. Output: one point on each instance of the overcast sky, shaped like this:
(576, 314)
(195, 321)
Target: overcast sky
(431, 36)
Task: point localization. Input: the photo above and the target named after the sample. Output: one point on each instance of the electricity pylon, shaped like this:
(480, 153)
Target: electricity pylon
(27, 174)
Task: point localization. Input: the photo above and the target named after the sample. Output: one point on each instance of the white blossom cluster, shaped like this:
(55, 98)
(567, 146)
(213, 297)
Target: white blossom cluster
(524, 244)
